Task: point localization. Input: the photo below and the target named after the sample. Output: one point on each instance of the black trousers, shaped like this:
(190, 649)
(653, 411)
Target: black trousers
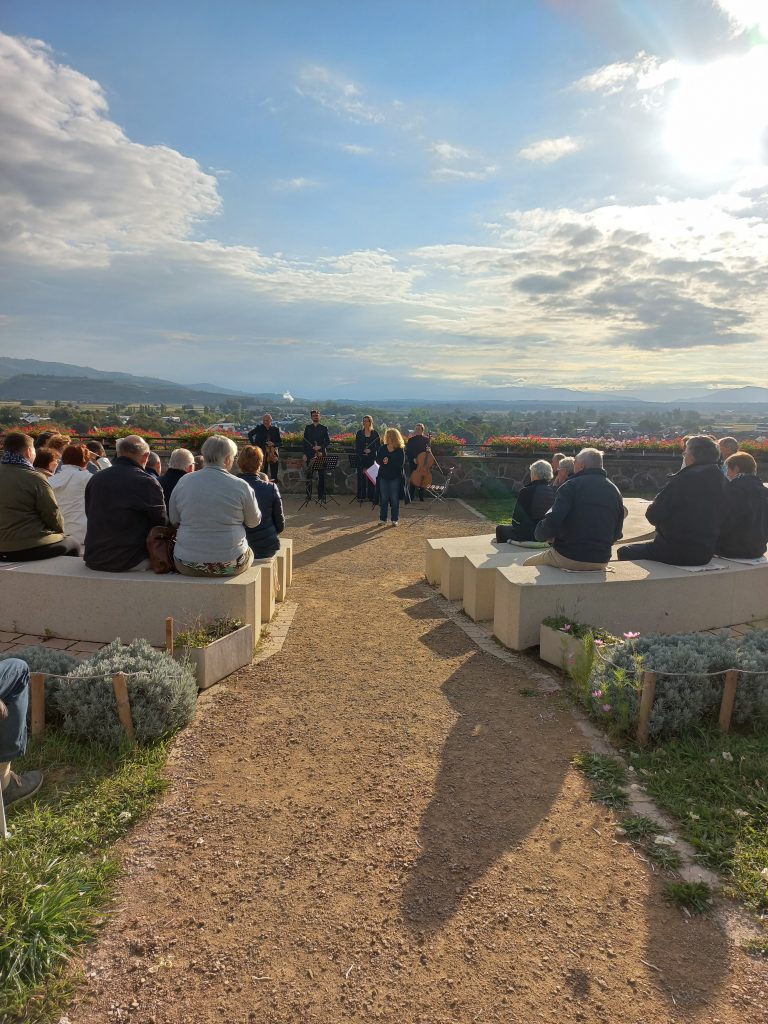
(271, 469)
(659, 551)
(64, 547)
(320, 483)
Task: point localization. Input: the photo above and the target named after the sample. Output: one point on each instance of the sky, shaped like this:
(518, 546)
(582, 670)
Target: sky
(389, 199)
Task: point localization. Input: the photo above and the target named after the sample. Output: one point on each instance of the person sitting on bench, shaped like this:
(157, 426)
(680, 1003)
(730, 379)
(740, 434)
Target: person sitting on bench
(744, 533)
(688, 511)
(14, 701)
(533, 502)
(31, 526)
(585, 519)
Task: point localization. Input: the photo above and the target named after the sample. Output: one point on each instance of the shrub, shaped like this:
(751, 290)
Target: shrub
(162, 696)
(691, 693)
(57, 663)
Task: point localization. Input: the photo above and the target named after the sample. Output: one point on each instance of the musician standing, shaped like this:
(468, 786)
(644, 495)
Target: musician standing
(415, 446)
(267, 437)
(367, 443)
(316, 444)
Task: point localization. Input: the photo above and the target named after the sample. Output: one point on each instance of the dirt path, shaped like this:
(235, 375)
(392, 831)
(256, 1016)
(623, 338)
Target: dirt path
(375, 824)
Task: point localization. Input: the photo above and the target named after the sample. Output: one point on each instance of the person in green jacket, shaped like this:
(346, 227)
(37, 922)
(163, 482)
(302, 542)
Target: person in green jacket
(31, 526)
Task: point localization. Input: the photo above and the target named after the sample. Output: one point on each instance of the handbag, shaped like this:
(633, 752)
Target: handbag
(160, 543)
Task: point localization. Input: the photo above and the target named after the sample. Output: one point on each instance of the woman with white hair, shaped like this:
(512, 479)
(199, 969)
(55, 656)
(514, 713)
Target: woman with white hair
(533, 502)
(211, 511)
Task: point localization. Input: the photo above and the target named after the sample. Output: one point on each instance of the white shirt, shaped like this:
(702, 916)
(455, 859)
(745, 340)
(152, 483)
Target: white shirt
(69, 485)
(212, 509)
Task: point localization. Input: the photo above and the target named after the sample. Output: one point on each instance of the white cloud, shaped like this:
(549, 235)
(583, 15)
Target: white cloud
(466, 174)
(642, 72)
(445, 151)
(335, 93)
(547, 151)
(745, 14)
(296, 184)
(357, 150)
(73, 187)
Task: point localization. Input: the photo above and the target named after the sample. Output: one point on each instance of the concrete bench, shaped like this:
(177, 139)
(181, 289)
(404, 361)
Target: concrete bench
(62, 596)
(641, 596)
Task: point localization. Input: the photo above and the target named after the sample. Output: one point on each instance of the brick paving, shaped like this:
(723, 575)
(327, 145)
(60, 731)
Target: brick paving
(11, 643)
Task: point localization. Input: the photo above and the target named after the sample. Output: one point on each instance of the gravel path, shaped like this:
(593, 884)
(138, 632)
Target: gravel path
(376, 824)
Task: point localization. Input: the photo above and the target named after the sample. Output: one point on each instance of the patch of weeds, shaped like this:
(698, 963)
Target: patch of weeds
(639, 829)
(663, 857)
(204, 633)
(526, 691)
(695, 897)
(57, 871)
(720, 803)
(756, 947)
(607, 777)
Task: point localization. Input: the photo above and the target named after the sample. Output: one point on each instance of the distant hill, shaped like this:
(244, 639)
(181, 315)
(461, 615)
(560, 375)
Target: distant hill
(124, 389)
(749, 395)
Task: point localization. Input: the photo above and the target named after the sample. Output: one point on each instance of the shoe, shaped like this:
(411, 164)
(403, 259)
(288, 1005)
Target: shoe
(394, 522)
(382, 522)
(22, 787)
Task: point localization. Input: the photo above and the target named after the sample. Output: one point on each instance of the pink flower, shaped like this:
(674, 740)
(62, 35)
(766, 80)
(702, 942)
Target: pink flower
(597, 694)
(606, 707)
(630, 636)
(568, 627)
(599, 643)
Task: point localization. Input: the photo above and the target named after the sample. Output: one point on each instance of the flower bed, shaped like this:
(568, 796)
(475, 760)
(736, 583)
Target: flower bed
(571, 445)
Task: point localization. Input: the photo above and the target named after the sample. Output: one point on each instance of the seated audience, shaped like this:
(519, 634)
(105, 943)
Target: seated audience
(122, 504)
(687, 512)
(585, 520)
(565, 470)
(533, 501)
(180, 463)
(744, 533)
(31, 526)
(57, 443)
(263, 539)
(199, 462)
(212, 510)
(43, 437)
(14, 702)
(98, 456)
(726, 446)
(69, 488)
(46, 461)
(555, 461)
(154, 465)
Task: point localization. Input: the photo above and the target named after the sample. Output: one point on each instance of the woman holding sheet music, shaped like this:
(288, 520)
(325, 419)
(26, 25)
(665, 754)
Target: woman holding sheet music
(367, 443)
(391, 459)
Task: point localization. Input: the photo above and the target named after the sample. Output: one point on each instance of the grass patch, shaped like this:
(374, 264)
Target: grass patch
(696, 897)
(607, 777)
(497, 509)
(639, 829)
(721, 803)
(56, 873)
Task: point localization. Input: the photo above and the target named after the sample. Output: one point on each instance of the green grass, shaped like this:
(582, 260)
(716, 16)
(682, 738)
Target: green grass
(607, 777)
(721, 805)
(695, 897)
(497, 509)
(56, 872)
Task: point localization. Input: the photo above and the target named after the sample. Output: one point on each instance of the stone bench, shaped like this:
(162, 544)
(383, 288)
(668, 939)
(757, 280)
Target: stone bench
(63, 597)
(642, 596)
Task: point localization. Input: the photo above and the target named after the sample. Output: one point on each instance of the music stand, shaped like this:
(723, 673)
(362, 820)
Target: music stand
(329, 463)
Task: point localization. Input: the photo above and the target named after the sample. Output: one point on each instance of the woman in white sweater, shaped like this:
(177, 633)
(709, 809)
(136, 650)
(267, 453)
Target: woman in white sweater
(211, 510)
(69, 484)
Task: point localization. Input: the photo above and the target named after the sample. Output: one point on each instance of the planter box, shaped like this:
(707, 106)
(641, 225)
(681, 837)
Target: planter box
(558, 648)
(219, 659)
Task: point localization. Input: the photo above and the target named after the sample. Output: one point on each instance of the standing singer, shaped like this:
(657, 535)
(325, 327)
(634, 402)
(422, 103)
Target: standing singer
(267, 437)
(367, 443)
(316, 444)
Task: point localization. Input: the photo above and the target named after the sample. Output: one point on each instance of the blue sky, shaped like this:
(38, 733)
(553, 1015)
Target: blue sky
(388, 199)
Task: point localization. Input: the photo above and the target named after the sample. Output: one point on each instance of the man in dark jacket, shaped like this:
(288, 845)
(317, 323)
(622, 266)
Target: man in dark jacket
(316, 444)
(744, 533)
(533, 502)
(585, 519)
(267, 434)
(688, 511)
(180, 463)
(122, 504)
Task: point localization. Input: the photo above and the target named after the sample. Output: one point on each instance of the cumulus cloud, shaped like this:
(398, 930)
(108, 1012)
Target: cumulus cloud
(547, 151)
(446, 151)
(73, 187)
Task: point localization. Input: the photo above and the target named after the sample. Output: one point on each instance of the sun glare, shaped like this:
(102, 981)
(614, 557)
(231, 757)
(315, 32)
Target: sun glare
(718, 117)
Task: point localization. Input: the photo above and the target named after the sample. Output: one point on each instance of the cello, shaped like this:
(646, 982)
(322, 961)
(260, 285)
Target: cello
(422, 474)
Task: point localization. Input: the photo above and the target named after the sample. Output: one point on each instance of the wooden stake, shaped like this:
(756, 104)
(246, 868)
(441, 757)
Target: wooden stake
(169, 635)
(120, 686)
(646, 704)
(37, 703)
(729, 699)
